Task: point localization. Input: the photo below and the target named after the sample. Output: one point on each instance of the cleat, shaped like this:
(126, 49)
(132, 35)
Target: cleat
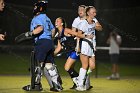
(74, 86)
(113, 78)
(37, 88)
(75, 80)
(81, 88)
(27, 88)
(89, 88)
(55, 90)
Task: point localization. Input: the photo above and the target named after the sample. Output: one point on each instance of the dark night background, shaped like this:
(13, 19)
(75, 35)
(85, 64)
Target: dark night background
(119, 15)
(122, 16)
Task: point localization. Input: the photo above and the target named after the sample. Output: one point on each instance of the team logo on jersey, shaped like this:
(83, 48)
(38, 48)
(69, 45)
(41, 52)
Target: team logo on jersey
(90, 29)
(63, 39)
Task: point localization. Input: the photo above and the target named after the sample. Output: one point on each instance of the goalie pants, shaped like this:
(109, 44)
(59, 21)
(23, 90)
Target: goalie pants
(44, 50)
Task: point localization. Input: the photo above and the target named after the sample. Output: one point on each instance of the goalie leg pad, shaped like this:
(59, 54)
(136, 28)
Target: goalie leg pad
(52, 70)
(48, 77)
(38, 71)
(38, 75)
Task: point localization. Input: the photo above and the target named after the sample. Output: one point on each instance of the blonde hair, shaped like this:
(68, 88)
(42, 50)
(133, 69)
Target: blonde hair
(88, 8)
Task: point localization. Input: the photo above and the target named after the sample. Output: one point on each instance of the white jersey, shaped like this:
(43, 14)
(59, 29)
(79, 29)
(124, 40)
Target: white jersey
(77, 22)
(88, 29)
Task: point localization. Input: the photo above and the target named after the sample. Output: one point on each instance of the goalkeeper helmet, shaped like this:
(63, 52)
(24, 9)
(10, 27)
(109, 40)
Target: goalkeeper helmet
(40, 7)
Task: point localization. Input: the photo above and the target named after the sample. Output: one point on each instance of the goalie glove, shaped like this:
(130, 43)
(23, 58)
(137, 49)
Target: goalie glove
(29, 34)
(24, 36)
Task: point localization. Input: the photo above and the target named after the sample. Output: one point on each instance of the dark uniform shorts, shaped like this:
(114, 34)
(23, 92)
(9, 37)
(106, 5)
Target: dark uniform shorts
(44, 49)
(114, 58)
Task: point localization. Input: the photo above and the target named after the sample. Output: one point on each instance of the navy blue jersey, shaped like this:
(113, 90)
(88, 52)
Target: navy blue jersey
(68, 42)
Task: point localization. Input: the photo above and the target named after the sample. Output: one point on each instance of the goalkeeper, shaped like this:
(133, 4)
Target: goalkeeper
(41, 30)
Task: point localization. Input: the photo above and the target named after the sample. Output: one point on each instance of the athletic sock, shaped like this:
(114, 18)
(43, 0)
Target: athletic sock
(87, 81)
(81, 78)
(72, 73)
(89, 71)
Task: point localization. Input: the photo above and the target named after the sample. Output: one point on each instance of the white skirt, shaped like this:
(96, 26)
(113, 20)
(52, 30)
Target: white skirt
(86, 49)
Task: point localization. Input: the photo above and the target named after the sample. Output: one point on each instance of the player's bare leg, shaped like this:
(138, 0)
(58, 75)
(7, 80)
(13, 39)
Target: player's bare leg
(70, 69)
(90, 69)
(82, 73)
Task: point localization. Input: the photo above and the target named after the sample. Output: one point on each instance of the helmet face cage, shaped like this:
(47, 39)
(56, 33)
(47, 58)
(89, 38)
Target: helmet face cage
(40, 7)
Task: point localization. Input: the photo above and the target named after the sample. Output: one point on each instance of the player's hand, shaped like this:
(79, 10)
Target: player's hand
(24, 36)
(2, 37)
(89, 36)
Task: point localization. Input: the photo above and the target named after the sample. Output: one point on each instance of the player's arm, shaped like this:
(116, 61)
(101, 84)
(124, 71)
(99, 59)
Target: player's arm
(53, 32)
(74, 29)
(37, 30)
(2, 37)
(74, 33)
(58, 48)
(98, 26)
(80, 35)
(52, 28)
(118, 40)
(33, 33)
(29, 35)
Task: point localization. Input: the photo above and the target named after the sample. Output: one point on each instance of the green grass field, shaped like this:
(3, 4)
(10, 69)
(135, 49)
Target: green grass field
(14, 75)
(14, 84)
(13, 63)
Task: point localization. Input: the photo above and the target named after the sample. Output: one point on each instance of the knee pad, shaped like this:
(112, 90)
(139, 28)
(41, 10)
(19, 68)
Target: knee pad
(51, 69)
